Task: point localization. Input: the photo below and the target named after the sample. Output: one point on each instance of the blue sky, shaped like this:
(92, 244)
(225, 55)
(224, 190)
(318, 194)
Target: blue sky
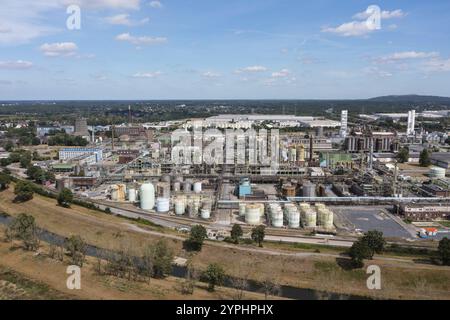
(234, 49)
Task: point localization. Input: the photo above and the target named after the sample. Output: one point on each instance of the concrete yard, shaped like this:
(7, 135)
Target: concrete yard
(359, 218)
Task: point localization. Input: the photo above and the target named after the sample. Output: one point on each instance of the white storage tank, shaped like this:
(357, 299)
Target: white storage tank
(147, 196)
(180, 206)
(242, 207)
(197, 187)
(162, 204)
(131, 194)
(277, 218)
(310, 218)
(176, 186)
(187, 186)
(437, 172)
(252, 214)
(205, 213)
(114, 193)
(325, 218)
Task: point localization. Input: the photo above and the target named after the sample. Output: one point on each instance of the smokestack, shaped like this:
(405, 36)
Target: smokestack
(112, 137)
(311, 151)
(130, 120)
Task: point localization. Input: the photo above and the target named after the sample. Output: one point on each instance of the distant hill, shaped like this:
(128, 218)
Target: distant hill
(413, 98)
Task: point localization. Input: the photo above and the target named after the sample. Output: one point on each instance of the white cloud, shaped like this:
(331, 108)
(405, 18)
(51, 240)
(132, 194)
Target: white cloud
(251, 69)
(25, 20)
(384, 14)
(147, 74)
(57, 49)
(407, 55)
(17, 64)
(350, 29)
(156, 4)
(361, 27)
(142, 40)
(211, 74)
(124, 20)
(281, 74)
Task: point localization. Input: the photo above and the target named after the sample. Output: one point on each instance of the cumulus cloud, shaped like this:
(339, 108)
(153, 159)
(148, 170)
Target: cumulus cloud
(124, 20)
(16, 64)
(377, 72)
(156, 4)
(147, 74)
(141, 40)
(25, 20)
(360, 26)
(58, 49)
(251, 69)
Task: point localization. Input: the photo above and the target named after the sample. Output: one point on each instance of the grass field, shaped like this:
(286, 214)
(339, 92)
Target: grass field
(297, 266)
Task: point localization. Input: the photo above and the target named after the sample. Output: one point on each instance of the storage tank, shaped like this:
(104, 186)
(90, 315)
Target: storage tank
(114, 193)
(309, 217)
(242, 207)
(197, 187)
(131, 194)
(277, 218)
(147, 196)
(325, 218)
(309, 190)
(176, 186)
(162, 204)
(205, 213)
(252, 214)
(121, 192)
(180, 206)
(165, 178)
(187, 187)
(437, 172)
(293, 217)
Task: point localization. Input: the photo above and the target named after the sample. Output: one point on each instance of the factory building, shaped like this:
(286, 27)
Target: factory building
(381, 142)
(335, 159)
(72, 153)
(418, 212)
(81, 128)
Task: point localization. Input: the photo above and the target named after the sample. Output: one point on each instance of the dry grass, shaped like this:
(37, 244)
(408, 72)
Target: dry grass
(400, 279)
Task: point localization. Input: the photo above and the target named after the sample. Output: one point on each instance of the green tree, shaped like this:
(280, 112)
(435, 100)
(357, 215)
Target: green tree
(25, 160)
(24, 228)
(24, 191)
(258, 234)
(197, 237)
(5, 180)
(358, 252)
(76, 248)
(424, 158)
(375, 241)
(162, 257)
(65, 198)
(236, 233)
(403, 155)
(444, 251)
(214, 275)
(9, 146)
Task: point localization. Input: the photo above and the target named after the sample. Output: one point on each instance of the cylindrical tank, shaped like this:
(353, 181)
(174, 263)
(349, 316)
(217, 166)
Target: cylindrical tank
(121, 193)
(205, 213)
(114, 193)
(187, 187)
(437, 172)
(309, 190)
(176, 186)
(162, 204)
(197, 187)
(165, 178)
(252, 214)
(277, 218)
(147, 196)
(293, 219)
(310, 218)
(325, 218)
(163, 190)
(242, 207)
(180, 206)
(131, 194)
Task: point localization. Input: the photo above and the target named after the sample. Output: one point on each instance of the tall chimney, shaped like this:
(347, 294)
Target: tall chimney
(311, 151)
